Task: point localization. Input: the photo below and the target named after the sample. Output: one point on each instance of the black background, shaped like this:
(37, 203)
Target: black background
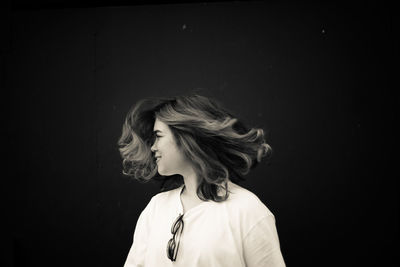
(316, 77)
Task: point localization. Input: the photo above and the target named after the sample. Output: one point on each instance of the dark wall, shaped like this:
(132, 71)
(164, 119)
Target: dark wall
(315, 77)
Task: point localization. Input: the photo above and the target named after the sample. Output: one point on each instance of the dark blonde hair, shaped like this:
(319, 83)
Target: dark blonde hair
(218, 145)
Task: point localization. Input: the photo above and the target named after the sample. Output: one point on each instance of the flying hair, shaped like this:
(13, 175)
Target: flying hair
(218, 145)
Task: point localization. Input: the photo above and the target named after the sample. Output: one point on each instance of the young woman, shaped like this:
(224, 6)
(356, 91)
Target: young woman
(201, 217)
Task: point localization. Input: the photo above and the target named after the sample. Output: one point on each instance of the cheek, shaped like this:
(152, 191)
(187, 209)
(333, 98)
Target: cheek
(172, 158)
(169, 164)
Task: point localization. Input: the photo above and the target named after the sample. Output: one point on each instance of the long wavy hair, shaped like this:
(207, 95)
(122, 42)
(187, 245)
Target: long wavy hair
(217, 144)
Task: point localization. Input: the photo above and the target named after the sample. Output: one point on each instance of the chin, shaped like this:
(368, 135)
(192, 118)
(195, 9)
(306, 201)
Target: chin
(162, 172)
(165, 172)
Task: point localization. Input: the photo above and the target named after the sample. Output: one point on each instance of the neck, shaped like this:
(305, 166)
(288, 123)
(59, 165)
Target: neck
(191, 183)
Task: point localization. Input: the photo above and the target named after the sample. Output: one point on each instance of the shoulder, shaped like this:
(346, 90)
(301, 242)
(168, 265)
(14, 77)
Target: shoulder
(163, 198)
(246, 203)
(159, 202)
(166, 195)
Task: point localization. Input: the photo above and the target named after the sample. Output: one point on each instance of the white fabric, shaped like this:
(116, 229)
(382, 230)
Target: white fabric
(240, 231)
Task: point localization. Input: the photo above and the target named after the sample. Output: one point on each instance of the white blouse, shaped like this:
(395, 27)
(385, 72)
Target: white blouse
(240, 231)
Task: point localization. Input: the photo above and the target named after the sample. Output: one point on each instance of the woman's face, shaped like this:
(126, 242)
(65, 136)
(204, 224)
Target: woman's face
(170, 160)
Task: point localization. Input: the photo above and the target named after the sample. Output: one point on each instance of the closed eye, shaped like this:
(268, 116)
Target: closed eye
(156, 135)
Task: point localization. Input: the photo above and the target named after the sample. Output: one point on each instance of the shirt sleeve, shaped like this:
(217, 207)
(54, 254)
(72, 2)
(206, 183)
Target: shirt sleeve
(137, 252)
(261, 245)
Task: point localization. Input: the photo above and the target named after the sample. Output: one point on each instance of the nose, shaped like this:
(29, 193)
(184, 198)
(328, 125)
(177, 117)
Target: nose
(153, 147)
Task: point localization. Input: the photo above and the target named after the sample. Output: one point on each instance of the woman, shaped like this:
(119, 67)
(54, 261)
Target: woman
(202, 217)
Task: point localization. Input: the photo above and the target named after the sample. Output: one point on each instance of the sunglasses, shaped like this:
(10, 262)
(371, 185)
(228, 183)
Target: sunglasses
(173, 243)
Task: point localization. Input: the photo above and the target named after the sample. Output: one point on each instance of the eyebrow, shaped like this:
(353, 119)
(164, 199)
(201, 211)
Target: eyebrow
(157, 131)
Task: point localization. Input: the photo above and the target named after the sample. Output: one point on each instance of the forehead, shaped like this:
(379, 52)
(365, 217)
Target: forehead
(159, 125)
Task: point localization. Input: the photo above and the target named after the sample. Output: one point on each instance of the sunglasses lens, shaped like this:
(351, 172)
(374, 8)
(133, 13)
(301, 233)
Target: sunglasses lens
(176, 226)
(171, 249)
(176, 230)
